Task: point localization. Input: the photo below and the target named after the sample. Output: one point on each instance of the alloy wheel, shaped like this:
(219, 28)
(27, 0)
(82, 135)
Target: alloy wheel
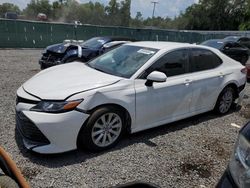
(106, 129)
(226, 101)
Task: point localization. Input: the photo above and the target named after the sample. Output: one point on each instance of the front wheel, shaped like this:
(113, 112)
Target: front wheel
(103, 130)
(225, 100)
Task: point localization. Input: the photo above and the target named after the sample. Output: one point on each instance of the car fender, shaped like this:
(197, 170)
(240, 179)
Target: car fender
(122, 95)
(70, 53)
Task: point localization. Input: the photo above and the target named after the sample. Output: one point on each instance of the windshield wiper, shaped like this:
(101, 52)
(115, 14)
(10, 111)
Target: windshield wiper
(96, 68)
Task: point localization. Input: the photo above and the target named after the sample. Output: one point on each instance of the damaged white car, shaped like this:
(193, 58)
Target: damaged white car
(134, 87)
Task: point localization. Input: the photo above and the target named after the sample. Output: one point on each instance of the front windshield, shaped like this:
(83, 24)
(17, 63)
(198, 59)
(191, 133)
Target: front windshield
(95, 43)
(123, 61)
(213, 43)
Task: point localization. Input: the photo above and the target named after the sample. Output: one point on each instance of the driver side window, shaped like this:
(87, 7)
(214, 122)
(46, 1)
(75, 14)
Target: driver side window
(172, 64)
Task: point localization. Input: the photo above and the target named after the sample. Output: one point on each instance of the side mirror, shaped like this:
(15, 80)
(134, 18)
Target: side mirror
(155, 76)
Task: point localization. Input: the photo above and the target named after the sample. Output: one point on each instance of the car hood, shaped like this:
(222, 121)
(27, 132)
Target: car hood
(57, 48)
(62, 81)
(62, 48)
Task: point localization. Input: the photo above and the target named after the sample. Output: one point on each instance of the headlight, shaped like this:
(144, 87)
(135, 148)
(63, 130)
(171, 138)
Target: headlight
(44, 51)
(240, 163)
(55, 106)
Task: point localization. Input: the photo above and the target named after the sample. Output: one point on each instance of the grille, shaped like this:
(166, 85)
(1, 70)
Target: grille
(51, 57)
(29, 130)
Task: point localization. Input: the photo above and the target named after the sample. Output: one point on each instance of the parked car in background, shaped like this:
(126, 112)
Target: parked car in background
(42, 17)
(237, 174)
(245, 41)
(67, 52)
(11, 15)
(232, 49)
(134, 87)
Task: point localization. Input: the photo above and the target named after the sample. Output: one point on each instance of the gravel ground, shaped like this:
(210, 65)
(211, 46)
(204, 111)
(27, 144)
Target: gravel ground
(188, 153)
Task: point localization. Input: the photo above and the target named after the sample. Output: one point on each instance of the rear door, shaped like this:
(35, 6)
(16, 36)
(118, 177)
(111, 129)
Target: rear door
(207, 78)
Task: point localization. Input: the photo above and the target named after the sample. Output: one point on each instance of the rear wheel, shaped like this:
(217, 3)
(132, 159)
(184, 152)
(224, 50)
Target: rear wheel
(103, 130)
(225, 100)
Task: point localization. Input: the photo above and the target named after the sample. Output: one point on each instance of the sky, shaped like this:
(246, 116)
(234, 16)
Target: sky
(164, 8)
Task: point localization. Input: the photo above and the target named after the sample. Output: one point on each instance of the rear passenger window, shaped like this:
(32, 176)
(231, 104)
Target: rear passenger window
(202, 59)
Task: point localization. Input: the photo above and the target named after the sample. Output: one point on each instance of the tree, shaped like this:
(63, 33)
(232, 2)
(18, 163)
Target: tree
(94, 13)
(214, 15)
(137, 21)
(38, 6)
(139, 16)
(71, 11)
(125, 13)
(112, 11)
(9, 7)
(57, 10)
(245, 25)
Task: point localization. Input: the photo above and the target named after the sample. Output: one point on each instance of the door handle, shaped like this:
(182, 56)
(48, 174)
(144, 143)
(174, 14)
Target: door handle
(221, 75)
(187, 82)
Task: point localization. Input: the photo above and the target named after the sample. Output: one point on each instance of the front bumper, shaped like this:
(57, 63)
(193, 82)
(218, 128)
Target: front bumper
(60, 130)
(46, 64)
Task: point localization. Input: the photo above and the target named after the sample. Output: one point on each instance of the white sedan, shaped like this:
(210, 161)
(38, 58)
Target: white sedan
(135, 87)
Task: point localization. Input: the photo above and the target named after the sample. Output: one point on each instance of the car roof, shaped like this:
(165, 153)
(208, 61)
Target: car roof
(161, 45)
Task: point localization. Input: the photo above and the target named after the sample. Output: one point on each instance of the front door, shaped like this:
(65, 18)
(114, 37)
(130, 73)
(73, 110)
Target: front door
(164, 102)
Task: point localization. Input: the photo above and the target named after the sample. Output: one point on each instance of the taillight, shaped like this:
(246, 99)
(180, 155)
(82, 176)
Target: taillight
(244, 71)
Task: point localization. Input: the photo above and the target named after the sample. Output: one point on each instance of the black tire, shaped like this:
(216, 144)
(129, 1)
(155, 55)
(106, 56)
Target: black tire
(85, 139)
(7, 182)
(223, 100)
(42, 67)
